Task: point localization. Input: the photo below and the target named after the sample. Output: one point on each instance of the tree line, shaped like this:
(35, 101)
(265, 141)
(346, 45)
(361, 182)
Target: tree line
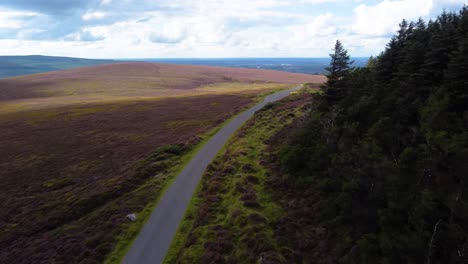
(386, 147)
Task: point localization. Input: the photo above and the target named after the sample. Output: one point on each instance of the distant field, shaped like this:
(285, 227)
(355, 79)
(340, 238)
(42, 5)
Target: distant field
(21, 65)
(82, 148)
(129, 81)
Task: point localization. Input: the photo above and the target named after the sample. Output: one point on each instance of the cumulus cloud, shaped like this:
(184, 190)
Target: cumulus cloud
(11, 19)
(205, 28)
(86, 34)
(93, 15)
(322, 25)
(383, 19)
(169, 33)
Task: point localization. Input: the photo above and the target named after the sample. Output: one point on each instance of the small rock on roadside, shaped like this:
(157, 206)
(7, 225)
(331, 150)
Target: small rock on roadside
(132, 217)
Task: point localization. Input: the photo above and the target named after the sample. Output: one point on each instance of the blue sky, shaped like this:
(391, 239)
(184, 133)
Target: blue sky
(205, 28)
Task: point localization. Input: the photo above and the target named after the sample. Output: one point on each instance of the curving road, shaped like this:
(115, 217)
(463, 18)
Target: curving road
(155, 237)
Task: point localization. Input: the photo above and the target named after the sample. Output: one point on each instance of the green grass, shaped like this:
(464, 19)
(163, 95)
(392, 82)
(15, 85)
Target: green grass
(241, 157)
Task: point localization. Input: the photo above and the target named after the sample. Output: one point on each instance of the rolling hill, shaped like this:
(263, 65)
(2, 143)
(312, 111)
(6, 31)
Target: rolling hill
(130, 81)
(11, 66)
(21, 65)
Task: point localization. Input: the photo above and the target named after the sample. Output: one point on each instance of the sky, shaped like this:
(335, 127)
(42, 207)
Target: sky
(205, 28)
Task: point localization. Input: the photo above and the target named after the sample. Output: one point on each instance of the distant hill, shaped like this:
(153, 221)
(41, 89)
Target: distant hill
(21, 65)
(296, 65)
(132, 80)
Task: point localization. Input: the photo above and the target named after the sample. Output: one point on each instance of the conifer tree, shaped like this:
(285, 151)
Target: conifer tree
(339, 67)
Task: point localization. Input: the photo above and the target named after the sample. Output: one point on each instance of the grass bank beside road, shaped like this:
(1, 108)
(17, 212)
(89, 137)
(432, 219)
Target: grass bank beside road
(232, 215)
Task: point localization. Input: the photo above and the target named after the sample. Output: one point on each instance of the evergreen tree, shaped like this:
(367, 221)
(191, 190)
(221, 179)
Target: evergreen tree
(334, 88)
(372, 62)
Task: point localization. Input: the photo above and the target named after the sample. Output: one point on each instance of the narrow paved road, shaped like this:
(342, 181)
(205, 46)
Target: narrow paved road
(152, 243)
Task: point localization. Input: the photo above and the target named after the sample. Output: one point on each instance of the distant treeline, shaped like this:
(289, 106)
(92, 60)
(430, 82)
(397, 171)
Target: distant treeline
(385, 150)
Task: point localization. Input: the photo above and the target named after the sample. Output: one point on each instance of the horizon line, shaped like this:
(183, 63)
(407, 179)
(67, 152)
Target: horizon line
(173, 58)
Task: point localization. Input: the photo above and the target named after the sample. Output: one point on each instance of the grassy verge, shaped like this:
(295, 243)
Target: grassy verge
(231, 217)
(174, 164)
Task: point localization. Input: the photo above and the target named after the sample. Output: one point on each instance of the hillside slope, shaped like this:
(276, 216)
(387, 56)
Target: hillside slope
(129, 81)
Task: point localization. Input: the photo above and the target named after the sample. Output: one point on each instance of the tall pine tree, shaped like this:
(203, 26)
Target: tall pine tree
(335, 88)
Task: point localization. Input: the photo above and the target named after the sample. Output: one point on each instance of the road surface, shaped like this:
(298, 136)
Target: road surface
(155, 237)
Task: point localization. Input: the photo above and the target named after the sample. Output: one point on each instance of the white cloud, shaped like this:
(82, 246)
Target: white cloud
(93, 15)
(14, 19)
(460, 2)
(319, 1)
(322, 25)
(85, 34)
(383, 18)
(316, 2)
(240, 5)
(172, 32)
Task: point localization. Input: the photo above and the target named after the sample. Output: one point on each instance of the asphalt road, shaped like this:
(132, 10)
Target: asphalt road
(155, 237)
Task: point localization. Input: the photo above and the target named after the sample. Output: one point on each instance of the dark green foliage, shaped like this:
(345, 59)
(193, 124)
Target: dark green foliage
(334, 88)
(389, 151)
